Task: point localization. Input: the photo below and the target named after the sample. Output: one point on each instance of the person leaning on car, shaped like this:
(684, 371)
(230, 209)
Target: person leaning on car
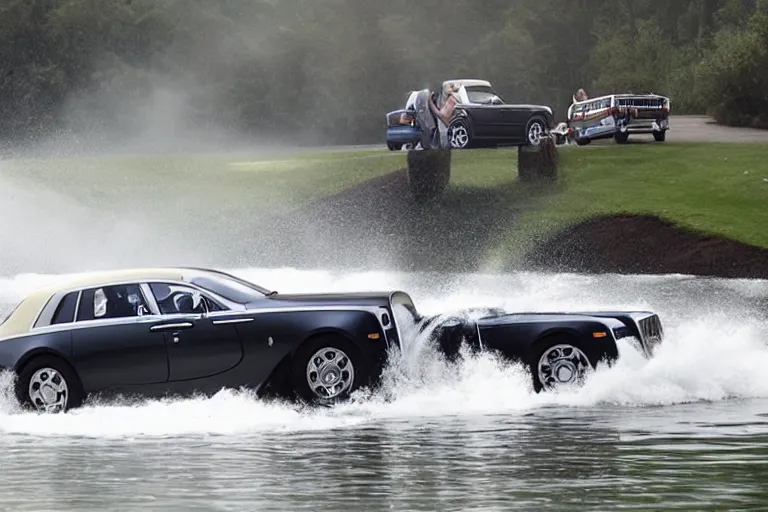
(445, 112)
(581, 95)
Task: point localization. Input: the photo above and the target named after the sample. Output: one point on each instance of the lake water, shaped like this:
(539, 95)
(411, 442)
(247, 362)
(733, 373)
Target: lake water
(687, 430)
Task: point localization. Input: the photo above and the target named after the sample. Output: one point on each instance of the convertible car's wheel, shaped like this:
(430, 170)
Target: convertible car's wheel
(621, 137)
(582, 142)
(48, 384)
(535, 131)
(326, 370)
(560, 363)
(458, 135)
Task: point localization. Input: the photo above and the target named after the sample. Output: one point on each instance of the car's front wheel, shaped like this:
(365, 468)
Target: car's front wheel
(48, 384)
(535, 131)
(458, 135)
(621, 137)
(558, 363)
(326, 369)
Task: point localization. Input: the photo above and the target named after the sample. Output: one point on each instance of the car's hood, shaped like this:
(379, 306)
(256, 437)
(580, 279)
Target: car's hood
(507, 105)
(331, 299)
(612, 318)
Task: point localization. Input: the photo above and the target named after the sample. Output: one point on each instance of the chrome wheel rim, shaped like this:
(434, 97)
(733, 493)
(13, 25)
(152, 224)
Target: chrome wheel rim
(459, 136)
(48, 390)
(562, 365)
(534, 133)
(330, 373)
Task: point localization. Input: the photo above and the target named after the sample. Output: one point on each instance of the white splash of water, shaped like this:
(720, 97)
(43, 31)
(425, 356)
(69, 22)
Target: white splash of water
(711, 356)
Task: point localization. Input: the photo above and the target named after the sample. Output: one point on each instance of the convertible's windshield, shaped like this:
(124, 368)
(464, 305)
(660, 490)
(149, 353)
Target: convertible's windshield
(480, 94)
(230, 288)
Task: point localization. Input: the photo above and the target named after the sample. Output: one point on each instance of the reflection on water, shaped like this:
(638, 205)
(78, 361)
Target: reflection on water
(585, 460)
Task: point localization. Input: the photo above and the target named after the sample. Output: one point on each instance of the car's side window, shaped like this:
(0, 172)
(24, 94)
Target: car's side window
(174, 299)
(65, 311)
(118, 301)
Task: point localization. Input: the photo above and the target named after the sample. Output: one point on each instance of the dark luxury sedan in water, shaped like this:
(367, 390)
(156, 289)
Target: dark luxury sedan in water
(170, 331)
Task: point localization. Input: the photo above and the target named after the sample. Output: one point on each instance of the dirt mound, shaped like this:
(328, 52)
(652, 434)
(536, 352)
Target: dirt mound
(645, 244)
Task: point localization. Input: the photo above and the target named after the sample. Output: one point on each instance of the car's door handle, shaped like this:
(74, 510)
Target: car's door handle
(232, 321)
(171, 327)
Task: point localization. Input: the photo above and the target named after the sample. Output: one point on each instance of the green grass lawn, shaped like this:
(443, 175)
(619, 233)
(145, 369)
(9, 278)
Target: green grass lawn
(715, 188)
(223, 186)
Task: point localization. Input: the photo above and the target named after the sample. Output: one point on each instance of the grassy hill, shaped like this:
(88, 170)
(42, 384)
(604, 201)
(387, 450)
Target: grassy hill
(353, 208)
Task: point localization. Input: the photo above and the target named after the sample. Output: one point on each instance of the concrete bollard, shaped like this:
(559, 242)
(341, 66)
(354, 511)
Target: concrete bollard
(429, 172)
(538, 163)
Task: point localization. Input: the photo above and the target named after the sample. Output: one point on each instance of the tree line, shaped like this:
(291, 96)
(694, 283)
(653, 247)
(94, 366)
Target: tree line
(327, 71)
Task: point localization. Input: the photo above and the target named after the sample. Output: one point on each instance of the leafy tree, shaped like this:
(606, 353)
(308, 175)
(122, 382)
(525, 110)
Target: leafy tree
(734, 77)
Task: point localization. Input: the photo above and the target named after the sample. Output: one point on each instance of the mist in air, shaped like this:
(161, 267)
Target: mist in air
(226, 75)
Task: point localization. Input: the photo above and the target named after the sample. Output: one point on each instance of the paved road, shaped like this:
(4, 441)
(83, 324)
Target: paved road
(696, 129)
(682, 129)
(702, 128)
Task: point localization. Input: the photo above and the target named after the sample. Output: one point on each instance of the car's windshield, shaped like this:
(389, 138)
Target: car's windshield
(232, 289)
(480, 94)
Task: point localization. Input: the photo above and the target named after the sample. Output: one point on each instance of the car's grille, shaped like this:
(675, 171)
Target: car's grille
(656, 103)
(652, 331)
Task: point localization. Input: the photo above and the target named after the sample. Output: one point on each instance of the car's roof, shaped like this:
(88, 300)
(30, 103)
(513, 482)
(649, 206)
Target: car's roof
(639, 94)
(21, 319)
(468, 82)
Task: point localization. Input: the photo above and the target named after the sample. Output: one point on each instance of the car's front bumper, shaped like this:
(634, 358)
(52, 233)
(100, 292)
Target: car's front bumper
(646, 126)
